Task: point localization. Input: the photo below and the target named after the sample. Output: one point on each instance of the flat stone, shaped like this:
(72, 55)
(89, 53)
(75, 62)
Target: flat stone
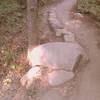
(57, 55)
(59, 77)
(28, 79)
(54, 22)
(51, 95)
(60, 32)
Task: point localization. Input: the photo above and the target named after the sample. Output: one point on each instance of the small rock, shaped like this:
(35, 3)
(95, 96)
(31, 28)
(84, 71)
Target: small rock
(77, 16)
(60, 32)
(59, 77)
(28, 78)
(69, 37)
(34, 72)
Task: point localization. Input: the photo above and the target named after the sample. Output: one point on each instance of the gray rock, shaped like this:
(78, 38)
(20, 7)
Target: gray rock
(59, 77)
(78, 16)
(29, 77)
(69, 37)
(54, 22)
(57, 55)
(59, 32)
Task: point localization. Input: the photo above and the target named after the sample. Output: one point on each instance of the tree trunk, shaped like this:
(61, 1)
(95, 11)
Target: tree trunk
(32, 14)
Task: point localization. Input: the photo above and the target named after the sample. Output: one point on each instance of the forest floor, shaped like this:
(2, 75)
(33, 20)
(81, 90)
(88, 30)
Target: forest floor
(13, 63)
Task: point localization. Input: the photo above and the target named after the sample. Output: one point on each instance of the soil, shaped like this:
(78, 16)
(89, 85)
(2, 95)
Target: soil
(86, 83)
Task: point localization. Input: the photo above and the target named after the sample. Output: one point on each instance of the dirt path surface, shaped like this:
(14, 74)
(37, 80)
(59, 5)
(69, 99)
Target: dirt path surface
(86, 31)
(85, 86)
(89, 85)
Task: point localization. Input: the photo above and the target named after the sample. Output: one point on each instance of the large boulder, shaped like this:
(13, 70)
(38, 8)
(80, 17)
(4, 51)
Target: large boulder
(60, 58)
(57, 55)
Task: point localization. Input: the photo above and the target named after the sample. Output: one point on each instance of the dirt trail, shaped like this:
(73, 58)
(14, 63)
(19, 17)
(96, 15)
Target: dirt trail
(86, 32)
(89, 85)
(64, 8)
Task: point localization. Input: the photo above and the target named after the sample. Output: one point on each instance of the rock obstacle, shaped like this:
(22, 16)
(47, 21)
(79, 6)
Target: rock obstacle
(59, 58)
